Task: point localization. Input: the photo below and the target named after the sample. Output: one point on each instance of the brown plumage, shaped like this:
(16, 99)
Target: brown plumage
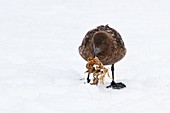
(109, 43)
(105, 43)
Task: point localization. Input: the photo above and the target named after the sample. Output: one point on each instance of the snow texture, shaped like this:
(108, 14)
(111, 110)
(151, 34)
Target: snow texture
(40, 67)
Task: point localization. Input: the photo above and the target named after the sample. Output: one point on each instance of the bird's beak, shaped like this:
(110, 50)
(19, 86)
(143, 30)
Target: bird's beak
(96, 51)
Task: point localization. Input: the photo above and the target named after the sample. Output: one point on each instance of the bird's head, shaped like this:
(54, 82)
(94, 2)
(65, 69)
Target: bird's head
(100, 42)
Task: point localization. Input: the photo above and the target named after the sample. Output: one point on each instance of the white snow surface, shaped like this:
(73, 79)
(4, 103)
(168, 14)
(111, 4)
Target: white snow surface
(40, 67)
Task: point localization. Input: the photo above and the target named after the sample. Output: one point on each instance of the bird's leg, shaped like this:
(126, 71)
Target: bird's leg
(88, 80)
(113, 84)
(112, 69)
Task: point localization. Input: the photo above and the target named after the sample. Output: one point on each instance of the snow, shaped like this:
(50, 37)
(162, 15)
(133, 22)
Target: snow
(40, 67)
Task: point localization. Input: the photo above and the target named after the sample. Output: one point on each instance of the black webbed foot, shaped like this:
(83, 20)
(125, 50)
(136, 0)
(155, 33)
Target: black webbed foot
(116, 85)
(88, 77)
(88, 80)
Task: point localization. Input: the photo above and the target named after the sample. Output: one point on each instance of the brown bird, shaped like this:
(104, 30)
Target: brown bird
(105, 43)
